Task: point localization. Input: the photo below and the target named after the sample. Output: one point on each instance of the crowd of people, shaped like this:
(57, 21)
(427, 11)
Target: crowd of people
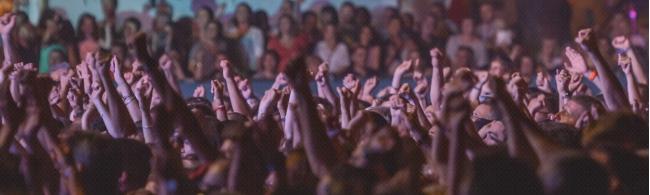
(100, 110)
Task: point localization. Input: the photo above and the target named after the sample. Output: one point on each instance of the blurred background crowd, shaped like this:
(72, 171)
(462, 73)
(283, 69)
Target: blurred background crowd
(367, 38)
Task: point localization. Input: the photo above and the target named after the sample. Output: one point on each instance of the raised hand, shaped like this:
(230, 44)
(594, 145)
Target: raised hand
(562, 80)
(586, 39)
(321, 75)
(7, 22)
(543, 82)
(436, 57)
(225, 68)
(421, 84)
(165, 62)
(199, 91)
(577, 62)
(404, 67)
(625, 63)
(369, 85)
(575, 82)
(245, 88)
(621, 43)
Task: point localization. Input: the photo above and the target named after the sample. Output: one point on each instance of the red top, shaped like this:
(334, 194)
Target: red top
(298, 46)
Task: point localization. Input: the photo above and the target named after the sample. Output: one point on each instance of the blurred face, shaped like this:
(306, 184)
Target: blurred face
(211, 31)
(346, 13)
(394, 27)
(487, 12)
(463, 58)
(285, 26)
(130, 29)
(467, 27)
(359, 57)
(269, 62)
(189, 157)
(527, 66)
(310, 22)
(330, 33)
(107, 6)
(202, 17)
(228, 148)
(493, 133)
(56, 57)
(87, 26)
(572, 111)
(497, 68)
(365, 35)
(242, 14)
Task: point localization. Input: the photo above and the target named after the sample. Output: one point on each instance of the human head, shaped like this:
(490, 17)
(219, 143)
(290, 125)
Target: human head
(243, 14)
(96, 156)
(346, 12)
(500, 174)
(288, 25)
(565, 174)
(87, 26)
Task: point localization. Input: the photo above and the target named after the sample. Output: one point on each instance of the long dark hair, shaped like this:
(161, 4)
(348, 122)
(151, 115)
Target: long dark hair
(80, 33)
(248, 9)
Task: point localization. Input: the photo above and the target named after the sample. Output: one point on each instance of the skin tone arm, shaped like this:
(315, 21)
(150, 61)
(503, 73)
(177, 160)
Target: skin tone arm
(237, 100)
(613, 92)
(96, 98)
(436, 78)
(167, 66)
(324, 86)
(125, 90)
(173, 101)
(632, 87)
(217, 102)
(320, 151)
(7, 22)
(404, 67)
(522, 131)
(621, 43)
(120, 119)
(142, 89)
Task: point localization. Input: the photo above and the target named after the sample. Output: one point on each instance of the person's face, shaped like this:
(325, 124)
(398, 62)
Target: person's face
(310, 22)
(496, 68)
(462, 58)
(467, 27)
(242, 14)
(211, 31)
(346, 13)
(394, 27)
(269, 62)
(87, 26)
(359, 57)
(365, 35)
(129, 29)
(493, 133)
(228, 148)
(56, 58)
(548, 45)
(107, 6)
(285, 26)
(487, 12)
(330, 33)
(572, 111)
(526, 66)
(202, 17)
(189, 157)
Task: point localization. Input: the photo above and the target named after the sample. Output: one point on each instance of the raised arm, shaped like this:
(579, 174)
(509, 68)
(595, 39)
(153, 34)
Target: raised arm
(622, 45)
(436, 78)
(119, 115)
(124, 90)
(634, 96)
(7, 22)
(173, 101)
(320, 151)
(613, 92)
(404, 67)
(323, 85)
(237, 100)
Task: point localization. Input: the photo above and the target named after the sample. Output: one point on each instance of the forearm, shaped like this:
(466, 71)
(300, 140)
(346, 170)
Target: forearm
(89, 115)
(237, 100)
(103, 113)
(319, 149)
(119, 116)
(328, 93)
(612, 92)
(8, 50)
(436, 87)
(129, 100)
(147, 126)
(173, 81)
(637, 68)
(634, 96)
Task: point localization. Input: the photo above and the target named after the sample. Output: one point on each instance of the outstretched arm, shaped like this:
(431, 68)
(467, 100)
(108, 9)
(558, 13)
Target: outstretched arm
(436, 78)
(7, 22)
(609, 86)
(122, 123)
(173, 101)
(237, 100)
(632, 89)
(320, 151)
(622, 45)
